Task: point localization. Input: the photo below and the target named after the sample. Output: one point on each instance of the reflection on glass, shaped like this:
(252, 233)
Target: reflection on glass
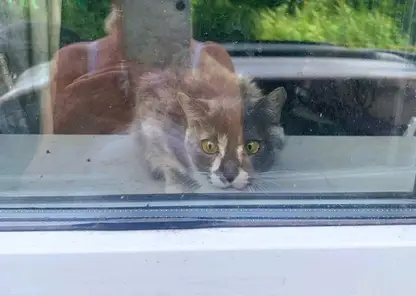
(266, 97)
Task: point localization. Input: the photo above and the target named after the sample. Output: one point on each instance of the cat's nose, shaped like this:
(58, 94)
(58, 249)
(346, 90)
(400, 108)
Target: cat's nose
(230, 171)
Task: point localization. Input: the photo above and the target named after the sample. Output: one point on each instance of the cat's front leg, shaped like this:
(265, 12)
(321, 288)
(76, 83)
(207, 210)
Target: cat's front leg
(162, 157)
(179, 182)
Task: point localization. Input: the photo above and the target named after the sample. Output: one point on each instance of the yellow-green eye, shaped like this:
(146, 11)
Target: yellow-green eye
(209, 146)
(252, 147)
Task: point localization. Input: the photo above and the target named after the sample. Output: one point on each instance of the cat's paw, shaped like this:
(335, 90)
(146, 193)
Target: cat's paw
(154, 172)
(157, 174)
(183, 182)
(191, 185)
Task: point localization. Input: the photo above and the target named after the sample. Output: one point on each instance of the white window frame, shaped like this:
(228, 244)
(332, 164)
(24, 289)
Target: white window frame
(292, 261)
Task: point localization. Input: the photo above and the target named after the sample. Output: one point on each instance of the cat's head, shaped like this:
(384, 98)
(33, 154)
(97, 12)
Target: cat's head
(204, 123)
(263, 133)
(214, 139)
(231, 129)
(230, 137)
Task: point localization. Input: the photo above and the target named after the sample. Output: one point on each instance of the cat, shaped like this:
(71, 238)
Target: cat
(192, 133)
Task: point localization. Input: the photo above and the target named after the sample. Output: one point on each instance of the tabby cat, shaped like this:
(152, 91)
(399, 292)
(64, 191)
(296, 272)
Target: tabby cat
(193, 134)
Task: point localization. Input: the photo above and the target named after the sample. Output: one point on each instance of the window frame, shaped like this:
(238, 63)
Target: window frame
(327, 261)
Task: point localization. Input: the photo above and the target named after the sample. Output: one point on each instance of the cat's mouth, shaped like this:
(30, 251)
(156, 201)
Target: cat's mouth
(238, 180)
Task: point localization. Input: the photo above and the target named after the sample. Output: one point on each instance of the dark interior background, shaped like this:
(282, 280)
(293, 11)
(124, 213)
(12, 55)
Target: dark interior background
(341, 107)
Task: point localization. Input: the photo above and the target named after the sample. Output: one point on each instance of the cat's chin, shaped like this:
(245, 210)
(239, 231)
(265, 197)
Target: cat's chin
(242, 181)
(214, 184)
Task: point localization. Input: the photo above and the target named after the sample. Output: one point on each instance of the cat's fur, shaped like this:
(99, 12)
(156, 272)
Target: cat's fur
(174, 113)
(262, 122)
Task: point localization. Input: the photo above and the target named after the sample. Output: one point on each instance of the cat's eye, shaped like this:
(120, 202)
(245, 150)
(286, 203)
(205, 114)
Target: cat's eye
(252, 147)
(209, 146)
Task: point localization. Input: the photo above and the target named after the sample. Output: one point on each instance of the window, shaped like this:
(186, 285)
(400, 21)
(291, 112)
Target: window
(158, 115)
(326, 105)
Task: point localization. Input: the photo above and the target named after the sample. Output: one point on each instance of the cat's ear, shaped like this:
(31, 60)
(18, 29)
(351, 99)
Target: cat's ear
(275, 101)
(193, 111)
(277, 98)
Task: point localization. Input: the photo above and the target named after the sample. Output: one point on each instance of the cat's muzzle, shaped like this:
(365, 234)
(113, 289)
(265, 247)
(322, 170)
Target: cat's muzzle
(230, 175)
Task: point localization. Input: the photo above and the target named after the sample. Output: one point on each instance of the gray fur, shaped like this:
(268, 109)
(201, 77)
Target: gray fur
(262, 122)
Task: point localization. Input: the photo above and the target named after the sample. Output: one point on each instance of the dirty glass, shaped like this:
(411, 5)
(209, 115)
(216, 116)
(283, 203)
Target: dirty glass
(238, 105)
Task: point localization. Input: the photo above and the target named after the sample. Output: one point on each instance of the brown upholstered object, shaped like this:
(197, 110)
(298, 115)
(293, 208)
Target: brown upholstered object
(96, 103)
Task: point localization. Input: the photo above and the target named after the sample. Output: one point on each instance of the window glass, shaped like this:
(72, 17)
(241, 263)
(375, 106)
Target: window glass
(203, 103)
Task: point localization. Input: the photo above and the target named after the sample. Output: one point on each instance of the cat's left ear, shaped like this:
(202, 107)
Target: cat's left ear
(275, 101)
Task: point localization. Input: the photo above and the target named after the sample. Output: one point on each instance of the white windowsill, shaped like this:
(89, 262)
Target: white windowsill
(315, 261)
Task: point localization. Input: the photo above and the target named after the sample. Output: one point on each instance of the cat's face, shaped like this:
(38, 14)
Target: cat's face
(214, 140)
(262, 123)
(229, 142)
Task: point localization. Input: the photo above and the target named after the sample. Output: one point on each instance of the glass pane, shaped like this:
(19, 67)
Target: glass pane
(251, 101)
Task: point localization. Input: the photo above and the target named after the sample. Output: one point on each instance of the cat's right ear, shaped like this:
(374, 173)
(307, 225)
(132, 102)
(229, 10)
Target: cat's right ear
(191, 109)
(274, 102)
(277, 98)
